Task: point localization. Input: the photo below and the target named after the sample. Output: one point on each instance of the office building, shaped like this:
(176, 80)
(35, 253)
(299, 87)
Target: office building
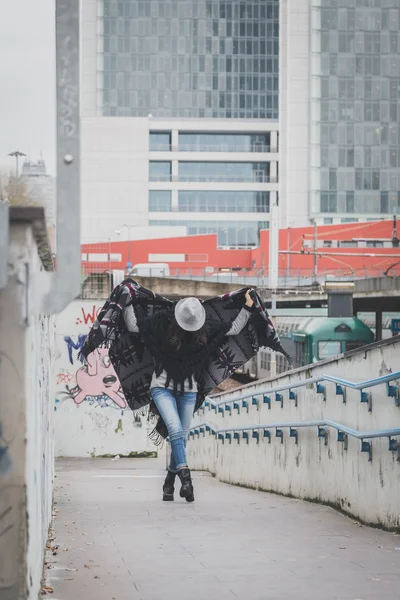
(202, 113)
(180, 107)
(41, 187)
(340, 109)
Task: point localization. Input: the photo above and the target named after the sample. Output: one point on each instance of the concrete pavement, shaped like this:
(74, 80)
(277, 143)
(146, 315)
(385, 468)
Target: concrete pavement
(118, 541)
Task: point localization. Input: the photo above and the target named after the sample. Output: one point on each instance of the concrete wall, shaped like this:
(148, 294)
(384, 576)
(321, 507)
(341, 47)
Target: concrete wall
(369, 490)
(91, 418)
(115, 174)
(26, 421)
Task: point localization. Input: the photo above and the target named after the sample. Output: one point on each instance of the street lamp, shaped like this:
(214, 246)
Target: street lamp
(16, 154)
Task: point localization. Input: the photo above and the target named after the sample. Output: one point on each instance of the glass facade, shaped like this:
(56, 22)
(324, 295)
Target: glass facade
(159, 201)
(224, 142)
(210, 201)
(230, 233)
(191, 58)
(357, 107)
(223, 171)
(159, 170)
(160, 141)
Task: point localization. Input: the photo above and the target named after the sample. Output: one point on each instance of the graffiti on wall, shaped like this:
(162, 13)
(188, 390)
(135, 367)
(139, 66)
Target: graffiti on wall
(95, 382)
(5, 459)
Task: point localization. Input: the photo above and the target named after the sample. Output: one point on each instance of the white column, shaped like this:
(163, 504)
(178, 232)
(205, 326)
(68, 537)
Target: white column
(273, 171)
(174, 140)
(274, 141)
(174, 170)
(174, 200)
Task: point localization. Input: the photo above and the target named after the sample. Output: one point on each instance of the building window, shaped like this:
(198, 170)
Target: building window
(374, 244)
(159, 171)
(230, 233)
(358, 110)
(159, 201)
(191, 59)
(348, 244)
(220, 142)
(224, 171)
(227, 201)
(328, 202)
(384, 202)
(349, 202)
(160, 141)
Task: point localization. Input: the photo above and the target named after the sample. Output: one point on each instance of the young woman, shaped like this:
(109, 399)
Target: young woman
(180, 342)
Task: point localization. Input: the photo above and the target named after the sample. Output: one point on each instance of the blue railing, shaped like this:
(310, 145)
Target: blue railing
(242, 432)
(225, 433)
(341, 386)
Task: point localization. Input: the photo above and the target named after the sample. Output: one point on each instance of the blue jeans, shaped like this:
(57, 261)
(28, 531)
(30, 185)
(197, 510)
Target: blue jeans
(176, 412)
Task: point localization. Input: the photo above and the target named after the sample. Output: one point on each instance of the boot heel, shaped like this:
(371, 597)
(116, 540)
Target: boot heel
(186, 490)
(168, 487)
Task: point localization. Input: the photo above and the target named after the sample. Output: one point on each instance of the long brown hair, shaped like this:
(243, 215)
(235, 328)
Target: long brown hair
(179, 337)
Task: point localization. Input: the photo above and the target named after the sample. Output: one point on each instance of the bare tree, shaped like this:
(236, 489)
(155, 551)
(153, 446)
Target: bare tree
(14, 191)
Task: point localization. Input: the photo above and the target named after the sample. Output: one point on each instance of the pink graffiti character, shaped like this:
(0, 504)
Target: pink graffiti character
(98, 378)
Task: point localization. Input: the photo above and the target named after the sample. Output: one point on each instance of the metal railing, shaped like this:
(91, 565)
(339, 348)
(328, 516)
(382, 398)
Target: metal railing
(288, 277)
(225, 433)
(256, 178)
(262, 148)
(259, 148)
(341, 385)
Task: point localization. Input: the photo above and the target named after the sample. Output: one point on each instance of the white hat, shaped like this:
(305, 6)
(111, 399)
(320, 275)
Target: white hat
(190, 314)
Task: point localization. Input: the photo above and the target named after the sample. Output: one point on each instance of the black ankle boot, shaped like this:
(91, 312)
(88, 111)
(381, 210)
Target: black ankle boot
(187, 485)
(168, 487)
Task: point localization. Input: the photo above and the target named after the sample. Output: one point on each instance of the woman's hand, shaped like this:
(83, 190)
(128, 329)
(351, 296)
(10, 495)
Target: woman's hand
(249, 300)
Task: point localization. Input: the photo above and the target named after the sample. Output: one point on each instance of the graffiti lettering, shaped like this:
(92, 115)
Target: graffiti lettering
(88, 318)
(64, 377)
(74, 345)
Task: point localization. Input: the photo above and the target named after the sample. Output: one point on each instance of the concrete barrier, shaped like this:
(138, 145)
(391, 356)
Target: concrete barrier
(359, 477)
(169, 286)
(26, 411)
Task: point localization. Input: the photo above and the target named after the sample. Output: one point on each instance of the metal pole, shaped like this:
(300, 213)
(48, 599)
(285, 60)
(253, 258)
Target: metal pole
(273, 267)
(129, 246)
(66, 282)
(315, 271)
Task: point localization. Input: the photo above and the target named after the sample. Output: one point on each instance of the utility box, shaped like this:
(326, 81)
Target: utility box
(340, 298)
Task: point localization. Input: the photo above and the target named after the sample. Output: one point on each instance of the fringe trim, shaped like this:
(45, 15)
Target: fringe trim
(152, 418)
(156, 438)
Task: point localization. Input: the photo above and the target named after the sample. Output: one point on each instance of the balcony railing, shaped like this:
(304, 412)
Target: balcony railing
(255, 178)
(260, 148)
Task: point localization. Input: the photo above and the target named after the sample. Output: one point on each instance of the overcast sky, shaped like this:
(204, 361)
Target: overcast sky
(27, 80)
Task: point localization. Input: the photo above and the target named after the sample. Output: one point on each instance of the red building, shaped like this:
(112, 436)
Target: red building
(351, 249)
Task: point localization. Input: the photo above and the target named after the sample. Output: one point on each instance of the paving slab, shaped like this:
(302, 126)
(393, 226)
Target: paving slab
(118, 541)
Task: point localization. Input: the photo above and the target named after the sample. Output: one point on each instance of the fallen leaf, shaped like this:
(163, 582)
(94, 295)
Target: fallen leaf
(47, 589)
(86, 567)
(342, 547)
(69, 579)
(96, 577)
